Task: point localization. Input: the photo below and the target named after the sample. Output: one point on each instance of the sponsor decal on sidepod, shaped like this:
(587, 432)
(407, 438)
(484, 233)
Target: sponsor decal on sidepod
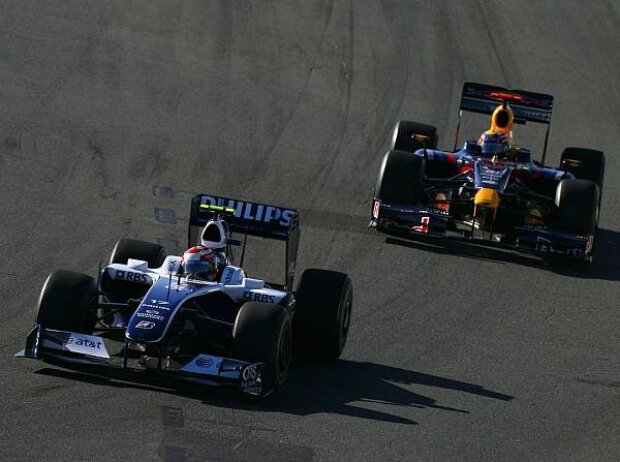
(256, 297)
(133, 276)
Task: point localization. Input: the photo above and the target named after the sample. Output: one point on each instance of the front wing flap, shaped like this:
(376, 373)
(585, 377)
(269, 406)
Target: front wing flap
(547, 241)
(423, 220)
(410, 219)
(56, 346)
(44, 343)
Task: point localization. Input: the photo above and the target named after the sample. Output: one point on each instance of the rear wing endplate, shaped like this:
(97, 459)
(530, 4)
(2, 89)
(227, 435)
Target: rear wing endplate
(251, 219)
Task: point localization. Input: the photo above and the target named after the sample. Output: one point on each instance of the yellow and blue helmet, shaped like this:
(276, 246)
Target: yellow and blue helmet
(494, 144)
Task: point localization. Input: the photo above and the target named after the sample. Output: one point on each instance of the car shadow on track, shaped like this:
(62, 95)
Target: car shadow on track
(362, 389)
(357, 389)
(605, 266)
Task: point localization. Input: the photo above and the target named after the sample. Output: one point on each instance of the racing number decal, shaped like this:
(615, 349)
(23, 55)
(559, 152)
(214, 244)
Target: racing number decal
(375, 209)
(423, 227)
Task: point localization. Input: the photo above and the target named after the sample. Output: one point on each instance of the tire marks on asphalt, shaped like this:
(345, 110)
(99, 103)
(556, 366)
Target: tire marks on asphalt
(173, 233)
(312, 218)
(221, 441)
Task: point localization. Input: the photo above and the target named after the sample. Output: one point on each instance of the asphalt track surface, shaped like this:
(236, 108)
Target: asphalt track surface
(113, 114)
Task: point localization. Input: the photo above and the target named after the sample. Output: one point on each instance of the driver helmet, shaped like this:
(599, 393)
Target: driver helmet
(201, 262)
(494, 144)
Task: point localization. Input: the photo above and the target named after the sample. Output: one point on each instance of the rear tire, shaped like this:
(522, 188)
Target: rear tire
(410, 136)
(68, 301)
(577, 206)
(592, 164)
(323, 313)
(401, 178)
(263, 333)
(125, 249)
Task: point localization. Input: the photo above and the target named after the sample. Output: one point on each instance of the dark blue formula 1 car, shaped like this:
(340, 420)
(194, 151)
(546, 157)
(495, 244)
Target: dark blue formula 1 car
(491, 191)
(146, 312)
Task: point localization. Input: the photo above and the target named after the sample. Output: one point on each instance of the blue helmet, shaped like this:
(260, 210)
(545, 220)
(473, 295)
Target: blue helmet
(493, 144)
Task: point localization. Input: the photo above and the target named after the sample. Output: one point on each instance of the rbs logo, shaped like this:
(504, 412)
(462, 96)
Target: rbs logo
(255, 297)
(133, 277)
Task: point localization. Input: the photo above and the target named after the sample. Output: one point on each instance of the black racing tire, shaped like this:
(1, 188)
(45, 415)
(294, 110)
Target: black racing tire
(401, 178)
(322, 316)
(262, 333)
(125, 249)
(68, 301)
(577, 206)
(410, 136)
(589, 165)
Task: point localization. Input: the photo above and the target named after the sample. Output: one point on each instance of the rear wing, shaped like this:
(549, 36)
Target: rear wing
(250, 219)
(527, 106)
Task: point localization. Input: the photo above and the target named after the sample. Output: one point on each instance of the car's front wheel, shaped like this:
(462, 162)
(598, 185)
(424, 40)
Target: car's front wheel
(577, 206)
(401, 178)
(262, 333)
(68, 302)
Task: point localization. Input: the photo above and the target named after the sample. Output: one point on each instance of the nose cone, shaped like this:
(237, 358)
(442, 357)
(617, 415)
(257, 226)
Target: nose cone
(151, 319)
(487, 197)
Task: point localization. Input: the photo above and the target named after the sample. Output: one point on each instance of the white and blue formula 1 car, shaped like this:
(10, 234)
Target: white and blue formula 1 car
(146, 314)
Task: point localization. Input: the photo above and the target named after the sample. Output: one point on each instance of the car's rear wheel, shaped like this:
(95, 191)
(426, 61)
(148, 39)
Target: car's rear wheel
(322, 316)
(125, 249)
(117, 290)
(410, 136)
(68, 301)
(262, 333)
(585, 164)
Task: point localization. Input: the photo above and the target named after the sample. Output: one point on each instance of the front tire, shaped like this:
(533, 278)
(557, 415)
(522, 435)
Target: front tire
(262, 333)
(577, 206)
(68, 302)
(401, 178)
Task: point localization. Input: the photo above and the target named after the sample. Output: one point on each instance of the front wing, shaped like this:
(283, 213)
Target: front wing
(421, 221)
(56, 346)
